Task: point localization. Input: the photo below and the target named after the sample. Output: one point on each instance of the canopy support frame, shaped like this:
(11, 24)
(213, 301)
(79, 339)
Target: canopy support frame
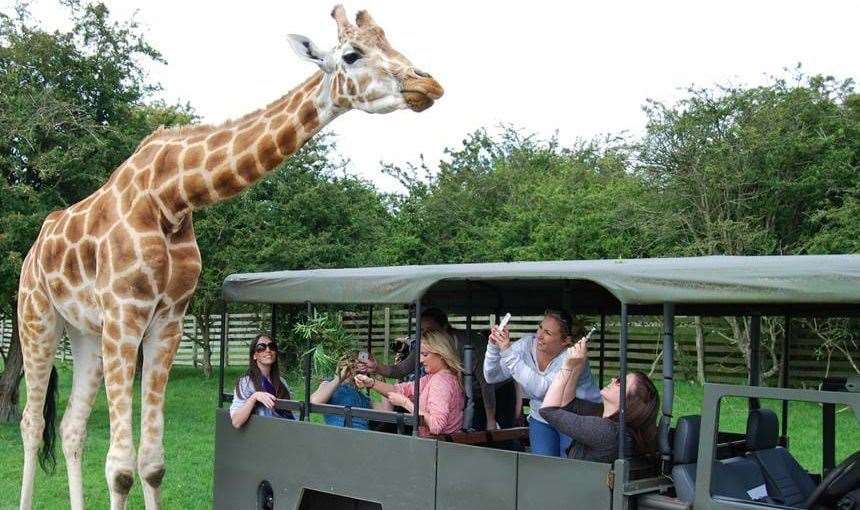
(622, 379)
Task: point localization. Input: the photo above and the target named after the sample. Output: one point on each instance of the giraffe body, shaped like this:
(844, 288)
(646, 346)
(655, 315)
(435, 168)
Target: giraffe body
(116, 271)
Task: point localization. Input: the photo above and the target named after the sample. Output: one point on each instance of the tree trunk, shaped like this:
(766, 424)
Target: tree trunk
(11, 378)
(700, 350)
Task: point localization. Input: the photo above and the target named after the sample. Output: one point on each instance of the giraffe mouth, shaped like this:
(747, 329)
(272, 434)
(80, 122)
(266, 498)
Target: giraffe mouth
(417, 101)
(421, 94)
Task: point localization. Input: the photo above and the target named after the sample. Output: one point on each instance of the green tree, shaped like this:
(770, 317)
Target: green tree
(71, 109)
(766, 170)
(518, 197)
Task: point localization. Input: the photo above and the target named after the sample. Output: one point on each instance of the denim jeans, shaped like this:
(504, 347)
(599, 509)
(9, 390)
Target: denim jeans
(545, 440)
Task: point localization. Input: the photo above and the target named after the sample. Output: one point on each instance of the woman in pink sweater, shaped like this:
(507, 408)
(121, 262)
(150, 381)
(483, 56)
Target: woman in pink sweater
(441, 393)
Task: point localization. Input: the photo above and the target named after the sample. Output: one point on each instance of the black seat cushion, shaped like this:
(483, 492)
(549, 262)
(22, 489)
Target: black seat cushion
(787, 482)
(739, 478)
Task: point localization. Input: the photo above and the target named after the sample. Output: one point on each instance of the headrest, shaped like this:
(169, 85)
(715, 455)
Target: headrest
(762, 430)
(686, 445)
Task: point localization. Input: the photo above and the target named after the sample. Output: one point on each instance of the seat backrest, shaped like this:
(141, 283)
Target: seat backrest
(787, 482)
(685, 451)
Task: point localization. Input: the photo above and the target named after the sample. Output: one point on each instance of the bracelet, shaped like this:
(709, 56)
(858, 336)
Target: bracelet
(373, 383)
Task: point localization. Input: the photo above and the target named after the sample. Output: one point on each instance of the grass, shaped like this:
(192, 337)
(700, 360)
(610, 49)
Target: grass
(189, 442)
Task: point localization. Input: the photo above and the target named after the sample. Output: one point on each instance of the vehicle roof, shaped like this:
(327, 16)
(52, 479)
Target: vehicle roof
(697, 285)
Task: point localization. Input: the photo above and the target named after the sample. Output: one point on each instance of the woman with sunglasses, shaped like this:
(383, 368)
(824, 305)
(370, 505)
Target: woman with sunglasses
(532, 362)
(257, 390)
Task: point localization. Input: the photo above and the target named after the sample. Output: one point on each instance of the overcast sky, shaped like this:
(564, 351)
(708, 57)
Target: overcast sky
(581, 68)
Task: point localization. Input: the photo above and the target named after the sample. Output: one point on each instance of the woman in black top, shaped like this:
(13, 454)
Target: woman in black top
(594, 427)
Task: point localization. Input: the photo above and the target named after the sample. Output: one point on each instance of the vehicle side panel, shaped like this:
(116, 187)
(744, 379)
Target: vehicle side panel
(471, 478)
(396, 471)
(551, 482)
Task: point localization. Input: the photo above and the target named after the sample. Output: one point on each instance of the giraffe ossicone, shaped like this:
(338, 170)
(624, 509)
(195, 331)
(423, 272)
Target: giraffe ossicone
(116, 270)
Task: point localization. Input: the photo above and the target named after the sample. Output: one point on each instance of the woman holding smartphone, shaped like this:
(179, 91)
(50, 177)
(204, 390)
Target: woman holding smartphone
(533, 362)
(441, 393)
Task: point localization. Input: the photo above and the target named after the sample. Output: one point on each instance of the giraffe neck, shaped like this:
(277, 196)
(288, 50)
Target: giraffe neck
(203, 169)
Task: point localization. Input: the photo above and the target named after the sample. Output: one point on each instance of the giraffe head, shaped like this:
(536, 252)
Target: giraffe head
(364, 72)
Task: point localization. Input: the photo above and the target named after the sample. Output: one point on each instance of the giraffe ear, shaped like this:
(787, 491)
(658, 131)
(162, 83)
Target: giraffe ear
(306, 49)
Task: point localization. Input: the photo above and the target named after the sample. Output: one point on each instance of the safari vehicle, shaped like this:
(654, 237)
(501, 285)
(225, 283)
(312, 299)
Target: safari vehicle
(272, 463)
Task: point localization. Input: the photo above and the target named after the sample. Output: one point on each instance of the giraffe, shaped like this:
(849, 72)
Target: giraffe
(116, 270)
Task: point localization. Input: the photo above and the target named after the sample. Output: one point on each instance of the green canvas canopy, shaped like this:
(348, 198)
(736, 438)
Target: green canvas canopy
(804, 284)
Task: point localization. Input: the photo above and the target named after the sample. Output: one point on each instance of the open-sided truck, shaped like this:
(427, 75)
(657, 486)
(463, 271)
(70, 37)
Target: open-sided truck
(284, 464)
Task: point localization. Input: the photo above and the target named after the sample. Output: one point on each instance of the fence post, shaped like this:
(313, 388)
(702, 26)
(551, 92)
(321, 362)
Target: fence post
(225, 327)
(2, 337)
(194, 340)
(387, 332)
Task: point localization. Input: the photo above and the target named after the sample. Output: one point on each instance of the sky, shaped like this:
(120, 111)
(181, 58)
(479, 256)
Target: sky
(581, 69)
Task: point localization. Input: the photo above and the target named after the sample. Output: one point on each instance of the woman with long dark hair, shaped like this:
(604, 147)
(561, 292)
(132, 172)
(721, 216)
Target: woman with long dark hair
(260, 385)
(593, 426)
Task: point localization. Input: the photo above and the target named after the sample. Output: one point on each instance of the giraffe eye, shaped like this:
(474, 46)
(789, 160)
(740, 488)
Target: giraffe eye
(350, 58)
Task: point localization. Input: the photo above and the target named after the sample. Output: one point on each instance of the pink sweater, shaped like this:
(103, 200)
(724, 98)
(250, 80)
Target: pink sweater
(441, 402)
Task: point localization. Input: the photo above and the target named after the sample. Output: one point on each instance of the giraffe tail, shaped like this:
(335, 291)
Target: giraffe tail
(47, 454)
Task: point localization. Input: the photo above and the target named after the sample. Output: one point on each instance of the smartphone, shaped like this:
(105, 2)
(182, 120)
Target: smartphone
(505, 321)
(591, 333)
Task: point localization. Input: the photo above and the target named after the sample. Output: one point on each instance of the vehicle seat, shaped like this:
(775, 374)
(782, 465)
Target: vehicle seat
(737, 477)
(787, 482)
(685, 451)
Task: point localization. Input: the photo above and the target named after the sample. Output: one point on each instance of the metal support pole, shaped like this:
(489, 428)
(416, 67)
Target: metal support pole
(223, 355)
(755, 358)
(622, 379)
(469, 364)
(417, 368)
(602, 344)
(306, 412)
(668, 383)
(783, 379)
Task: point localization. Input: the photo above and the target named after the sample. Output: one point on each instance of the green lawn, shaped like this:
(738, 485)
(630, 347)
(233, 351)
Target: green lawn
(189, 443)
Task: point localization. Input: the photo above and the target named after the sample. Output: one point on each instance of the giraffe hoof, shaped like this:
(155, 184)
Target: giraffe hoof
(122, 482)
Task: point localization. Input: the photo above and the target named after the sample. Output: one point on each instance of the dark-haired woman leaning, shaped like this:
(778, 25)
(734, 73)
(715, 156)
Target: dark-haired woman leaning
(257, 389)
(594, 427)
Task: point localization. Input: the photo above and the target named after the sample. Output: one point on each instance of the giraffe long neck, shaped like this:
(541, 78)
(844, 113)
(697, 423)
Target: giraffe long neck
(202, 169)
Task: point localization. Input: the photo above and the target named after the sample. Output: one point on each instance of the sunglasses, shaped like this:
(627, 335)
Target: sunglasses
(269, 345)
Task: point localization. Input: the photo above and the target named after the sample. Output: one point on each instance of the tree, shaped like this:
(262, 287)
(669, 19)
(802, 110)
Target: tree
(71, 109)
(517, 197)
(765, 170)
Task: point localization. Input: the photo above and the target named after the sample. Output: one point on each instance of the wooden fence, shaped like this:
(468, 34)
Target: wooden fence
(723, 362)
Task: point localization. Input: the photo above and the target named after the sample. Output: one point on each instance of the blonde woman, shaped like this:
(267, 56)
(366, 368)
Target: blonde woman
(441, 399)
(341, 391)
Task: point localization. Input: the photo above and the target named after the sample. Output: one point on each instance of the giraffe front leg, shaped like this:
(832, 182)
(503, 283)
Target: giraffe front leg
(121, 338)
(159, 348)
(40, 329)
(86, 381)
